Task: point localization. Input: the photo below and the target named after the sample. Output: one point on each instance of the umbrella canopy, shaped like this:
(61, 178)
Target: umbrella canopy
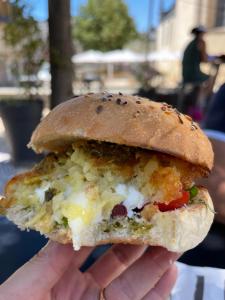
(115, 56)
(123, 56)
(88, 57)
(163, 55)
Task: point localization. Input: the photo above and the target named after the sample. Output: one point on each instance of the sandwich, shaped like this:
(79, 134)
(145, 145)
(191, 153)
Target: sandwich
(118, 169)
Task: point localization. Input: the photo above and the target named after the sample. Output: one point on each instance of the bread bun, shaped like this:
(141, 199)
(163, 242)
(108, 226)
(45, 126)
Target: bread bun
(122, 120)
(178, 230)
(125, 120)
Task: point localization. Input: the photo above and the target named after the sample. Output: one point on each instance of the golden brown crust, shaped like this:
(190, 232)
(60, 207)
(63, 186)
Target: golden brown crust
(125, 120)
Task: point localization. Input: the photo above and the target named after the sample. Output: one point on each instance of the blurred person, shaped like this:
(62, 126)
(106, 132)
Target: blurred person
(123, 272)
(194, 54)
(211, 251)
(216, 181)
(215, 116)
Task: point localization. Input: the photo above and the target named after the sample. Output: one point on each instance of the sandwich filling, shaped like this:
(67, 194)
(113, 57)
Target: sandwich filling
(97, 186)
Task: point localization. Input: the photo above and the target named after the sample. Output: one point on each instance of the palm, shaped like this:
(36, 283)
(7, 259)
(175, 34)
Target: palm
(125, 272)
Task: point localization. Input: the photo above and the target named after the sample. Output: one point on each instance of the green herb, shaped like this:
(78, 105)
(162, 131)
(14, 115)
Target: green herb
(139, 227)
(65, 222)
(117, 225)
(136, 227)
(201, 201)
(193, 191)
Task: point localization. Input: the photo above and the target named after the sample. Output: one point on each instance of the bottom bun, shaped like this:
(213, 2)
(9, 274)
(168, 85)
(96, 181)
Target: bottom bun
(178, 230)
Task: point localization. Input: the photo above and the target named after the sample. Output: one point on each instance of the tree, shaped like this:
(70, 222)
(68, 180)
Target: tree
(60, 47)
(104, 25)
(24, 36)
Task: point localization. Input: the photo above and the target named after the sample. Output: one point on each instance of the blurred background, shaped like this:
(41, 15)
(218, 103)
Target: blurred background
(165, 50)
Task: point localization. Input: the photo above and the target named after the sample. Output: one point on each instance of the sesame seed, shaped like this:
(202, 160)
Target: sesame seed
(99, 109)
(136, 114)
(179, 116)
(124, 103)
(121, 94)
(118, 101)
(194, 126)
(138, 102)
(188, 117)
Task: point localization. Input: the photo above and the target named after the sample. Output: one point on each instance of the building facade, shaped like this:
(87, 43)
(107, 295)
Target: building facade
(173, 34)
(220, 13)
(174, 29)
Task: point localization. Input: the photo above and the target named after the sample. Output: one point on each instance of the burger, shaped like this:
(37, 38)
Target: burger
(118, 169)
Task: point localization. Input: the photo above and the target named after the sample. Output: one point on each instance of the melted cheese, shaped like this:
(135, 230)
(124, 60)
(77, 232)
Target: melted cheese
(81, 213)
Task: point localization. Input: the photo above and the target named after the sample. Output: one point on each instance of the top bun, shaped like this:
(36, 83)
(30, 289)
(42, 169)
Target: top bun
(125, 120)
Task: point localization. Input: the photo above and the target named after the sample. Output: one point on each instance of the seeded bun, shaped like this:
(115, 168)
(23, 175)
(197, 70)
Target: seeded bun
(125, 120)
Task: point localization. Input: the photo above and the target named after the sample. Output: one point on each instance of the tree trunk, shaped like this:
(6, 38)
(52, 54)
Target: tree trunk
(60, 48)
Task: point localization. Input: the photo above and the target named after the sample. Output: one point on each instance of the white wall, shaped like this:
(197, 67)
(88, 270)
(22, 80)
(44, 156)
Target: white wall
(174, 32)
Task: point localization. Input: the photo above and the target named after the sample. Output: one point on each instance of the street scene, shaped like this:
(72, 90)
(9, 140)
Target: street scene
(94, 97)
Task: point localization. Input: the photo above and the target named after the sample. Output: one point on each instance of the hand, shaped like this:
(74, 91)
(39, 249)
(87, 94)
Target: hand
(124, 272)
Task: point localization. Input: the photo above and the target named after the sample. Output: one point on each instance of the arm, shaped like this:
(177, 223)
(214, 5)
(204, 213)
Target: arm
(202, 49)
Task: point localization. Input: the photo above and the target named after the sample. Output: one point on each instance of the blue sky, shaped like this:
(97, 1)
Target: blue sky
(138, 9)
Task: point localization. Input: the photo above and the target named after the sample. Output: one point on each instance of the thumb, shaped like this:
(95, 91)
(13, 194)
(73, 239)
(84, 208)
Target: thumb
(38, 276)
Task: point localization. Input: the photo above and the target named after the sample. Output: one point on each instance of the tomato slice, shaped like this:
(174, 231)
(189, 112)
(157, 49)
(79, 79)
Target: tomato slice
(174, 204)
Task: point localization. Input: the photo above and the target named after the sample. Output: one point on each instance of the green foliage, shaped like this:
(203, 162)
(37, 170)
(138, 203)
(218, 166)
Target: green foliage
(23, 36)
(104, 25)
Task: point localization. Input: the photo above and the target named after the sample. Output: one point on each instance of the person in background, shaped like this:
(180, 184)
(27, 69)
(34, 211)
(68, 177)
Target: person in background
(215, 116)
(202, 84)
(211, 251)
(194, 54)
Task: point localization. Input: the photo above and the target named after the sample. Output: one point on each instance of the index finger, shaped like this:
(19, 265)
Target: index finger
(117, 259)
(41, 273)
(142, 276)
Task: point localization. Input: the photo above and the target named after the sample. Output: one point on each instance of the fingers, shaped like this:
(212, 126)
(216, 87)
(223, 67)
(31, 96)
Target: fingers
(114, 262)
(80, 257)
(38, 275)
(142, 276)
(73, 283)
(163, 288)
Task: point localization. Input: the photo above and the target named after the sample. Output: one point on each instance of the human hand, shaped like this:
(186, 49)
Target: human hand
(124, 272)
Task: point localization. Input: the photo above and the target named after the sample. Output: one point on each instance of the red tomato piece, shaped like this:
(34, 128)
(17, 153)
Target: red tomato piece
(174, 204)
